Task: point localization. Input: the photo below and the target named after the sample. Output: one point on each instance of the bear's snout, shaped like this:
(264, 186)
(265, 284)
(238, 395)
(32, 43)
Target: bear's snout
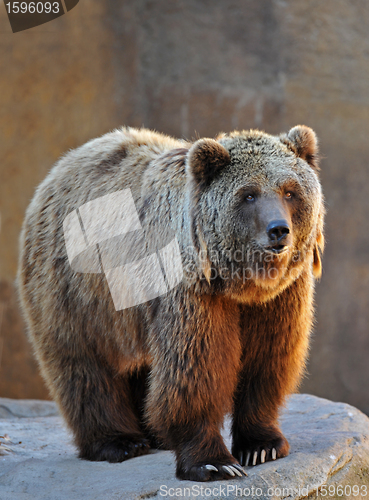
(278, 232)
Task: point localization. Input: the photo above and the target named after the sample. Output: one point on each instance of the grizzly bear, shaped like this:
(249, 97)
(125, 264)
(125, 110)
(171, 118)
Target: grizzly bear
(229, 335)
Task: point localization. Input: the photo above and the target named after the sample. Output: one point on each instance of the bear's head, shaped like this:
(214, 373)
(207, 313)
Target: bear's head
(257, 209)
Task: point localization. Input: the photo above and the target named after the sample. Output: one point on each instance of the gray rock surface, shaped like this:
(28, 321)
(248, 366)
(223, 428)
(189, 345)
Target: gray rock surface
(329, 451)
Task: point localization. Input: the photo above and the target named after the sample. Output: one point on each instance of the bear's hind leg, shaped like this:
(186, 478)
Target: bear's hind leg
(139, 385)
(98, 407)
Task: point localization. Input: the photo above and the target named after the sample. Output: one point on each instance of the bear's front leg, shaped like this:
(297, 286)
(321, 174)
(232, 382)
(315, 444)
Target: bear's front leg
(275, 344)
(201, 454)
(256, 436)
(195, 351)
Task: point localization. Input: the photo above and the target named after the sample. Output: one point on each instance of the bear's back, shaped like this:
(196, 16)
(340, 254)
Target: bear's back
(123, 159)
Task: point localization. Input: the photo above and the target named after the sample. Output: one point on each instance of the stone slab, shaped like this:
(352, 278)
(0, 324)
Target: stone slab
(329, 452)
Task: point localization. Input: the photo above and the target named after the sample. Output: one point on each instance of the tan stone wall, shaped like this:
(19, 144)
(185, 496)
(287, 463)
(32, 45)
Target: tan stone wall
(197, 68)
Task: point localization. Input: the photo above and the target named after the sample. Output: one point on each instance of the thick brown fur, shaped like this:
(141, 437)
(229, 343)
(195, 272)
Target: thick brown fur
(231, 337)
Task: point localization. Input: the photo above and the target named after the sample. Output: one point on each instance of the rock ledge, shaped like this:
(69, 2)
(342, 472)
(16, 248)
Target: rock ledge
(329, 459)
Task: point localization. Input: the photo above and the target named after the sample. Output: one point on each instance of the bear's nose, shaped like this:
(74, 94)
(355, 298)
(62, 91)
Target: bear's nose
(277, 230)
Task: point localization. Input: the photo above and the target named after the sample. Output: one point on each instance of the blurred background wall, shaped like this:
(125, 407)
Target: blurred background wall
(196, 68)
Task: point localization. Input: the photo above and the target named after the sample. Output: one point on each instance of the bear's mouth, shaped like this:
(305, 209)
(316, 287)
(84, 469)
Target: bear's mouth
(277, 249)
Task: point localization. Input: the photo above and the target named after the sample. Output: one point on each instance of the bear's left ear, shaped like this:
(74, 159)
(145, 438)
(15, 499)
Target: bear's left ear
(206, 159)
(318, 250)
(304, 143)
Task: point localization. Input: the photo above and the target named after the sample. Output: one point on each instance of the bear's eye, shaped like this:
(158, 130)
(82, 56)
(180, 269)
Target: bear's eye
(250, 197)
(288, 195)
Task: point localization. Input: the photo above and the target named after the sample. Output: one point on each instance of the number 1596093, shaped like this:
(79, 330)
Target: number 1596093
(33, 7)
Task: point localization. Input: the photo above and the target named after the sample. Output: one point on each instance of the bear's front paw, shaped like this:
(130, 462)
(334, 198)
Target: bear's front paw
(213, 471)
(259, 452)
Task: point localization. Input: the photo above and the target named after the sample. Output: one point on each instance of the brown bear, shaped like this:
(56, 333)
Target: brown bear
(229, 335)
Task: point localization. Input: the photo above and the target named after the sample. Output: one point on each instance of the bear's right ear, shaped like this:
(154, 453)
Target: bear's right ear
(206, 158)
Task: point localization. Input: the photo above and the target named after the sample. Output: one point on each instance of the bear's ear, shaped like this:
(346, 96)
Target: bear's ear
(318, 250)
(206, 158)
(304, 143)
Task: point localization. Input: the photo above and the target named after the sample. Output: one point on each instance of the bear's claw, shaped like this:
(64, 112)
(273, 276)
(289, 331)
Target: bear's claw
(209, 472)
(237, 469)
(252, 461)
(229, 470)
(233, 470)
